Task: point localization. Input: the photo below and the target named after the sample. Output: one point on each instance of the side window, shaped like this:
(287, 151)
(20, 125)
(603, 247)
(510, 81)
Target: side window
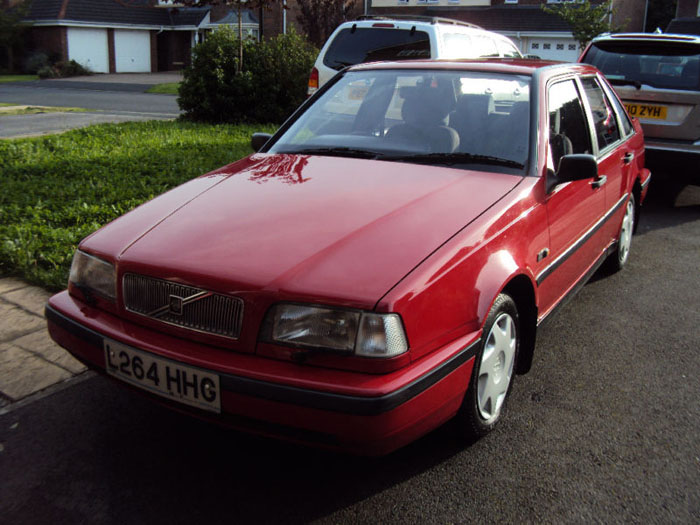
(456, 45)
(568, 130)
(508, 50)
(627, 128)
(484, 46)
(604, 121)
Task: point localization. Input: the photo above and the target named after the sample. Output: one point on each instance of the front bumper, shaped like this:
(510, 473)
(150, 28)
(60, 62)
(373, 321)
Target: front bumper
(361, 413)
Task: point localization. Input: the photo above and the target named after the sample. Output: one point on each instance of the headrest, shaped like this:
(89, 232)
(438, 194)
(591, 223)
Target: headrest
(427, 105)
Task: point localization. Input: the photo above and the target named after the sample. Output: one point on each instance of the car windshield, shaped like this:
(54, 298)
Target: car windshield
(469, 119)
(369, 44)
(664, 65)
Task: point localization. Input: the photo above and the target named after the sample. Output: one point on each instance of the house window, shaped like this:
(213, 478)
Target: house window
(560, 47)
(546, 46)
(535, 45)
(572, 47)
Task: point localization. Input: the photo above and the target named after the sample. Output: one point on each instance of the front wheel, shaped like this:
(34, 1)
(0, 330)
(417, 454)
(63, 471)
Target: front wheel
(618, 259)
(492, 375)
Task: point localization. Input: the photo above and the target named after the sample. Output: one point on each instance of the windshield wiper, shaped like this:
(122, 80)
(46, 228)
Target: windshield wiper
(450, 159)
(625, 82)
(335, 151)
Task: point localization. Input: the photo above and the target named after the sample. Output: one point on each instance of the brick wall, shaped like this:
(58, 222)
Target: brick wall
(51, 40)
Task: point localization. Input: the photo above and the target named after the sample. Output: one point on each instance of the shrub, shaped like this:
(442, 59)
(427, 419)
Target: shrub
(63, 69)
(47, 72)
(269, 88)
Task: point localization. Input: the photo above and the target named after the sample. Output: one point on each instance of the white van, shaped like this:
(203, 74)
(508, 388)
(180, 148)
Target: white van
(371, 38)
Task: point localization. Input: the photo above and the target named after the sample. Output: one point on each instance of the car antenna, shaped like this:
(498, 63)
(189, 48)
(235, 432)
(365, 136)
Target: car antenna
(352, 30)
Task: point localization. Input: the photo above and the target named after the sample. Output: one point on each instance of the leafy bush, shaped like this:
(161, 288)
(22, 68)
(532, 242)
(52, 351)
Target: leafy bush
(64, 69)
(47, 72)
(58, 189)
(269, 88)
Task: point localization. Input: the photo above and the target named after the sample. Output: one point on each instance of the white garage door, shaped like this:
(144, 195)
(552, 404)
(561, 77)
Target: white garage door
(132, 51)
(88, 47)
(555, 49)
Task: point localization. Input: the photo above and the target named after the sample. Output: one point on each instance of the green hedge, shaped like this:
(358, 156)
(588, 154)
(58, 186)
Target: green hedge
(272, 83)
(58, 189)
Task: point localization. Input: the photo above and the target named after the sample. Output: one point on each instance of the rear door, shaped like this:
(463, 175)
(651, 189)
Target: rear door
(615, 156)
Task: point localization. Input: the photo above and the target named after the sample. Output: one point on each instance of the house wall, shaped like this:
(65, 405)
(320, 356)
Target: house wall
(49, 40)
(172, 50)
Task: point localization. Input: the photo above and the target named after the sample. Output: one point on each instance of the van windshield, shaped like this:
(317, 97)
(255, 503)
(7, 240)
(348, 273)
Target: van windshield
(370, 44)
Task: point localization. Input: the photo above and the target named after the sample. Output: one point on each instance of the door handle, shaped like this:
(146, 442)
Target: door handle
(597, 183)
(629, 157)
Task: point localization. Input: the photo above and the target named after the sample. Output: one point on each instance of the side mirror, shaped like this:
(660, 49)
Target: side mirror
(258, 140)
(578, 166)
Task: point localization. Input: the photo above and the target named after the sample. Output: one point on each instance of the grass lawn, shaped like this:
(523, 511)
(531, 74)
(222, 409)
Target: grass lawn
(58, 189)
(169, 88)
(31, 110)
(17, 78)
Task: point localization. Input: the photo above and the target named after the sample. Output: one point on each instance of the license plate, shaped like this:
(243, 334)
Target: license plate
(647, 111)
(186, 384)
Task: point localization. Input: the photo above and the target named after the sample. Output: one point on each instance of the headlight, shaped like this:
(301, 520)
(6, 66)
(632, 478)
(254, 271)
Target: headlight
(352, 331)
(91, 274)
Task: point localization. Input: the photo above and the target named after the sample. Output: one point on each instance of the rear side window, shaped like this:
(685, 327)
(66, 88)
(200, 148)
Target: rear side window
(604, 120)
(666, 65)
(370, 44)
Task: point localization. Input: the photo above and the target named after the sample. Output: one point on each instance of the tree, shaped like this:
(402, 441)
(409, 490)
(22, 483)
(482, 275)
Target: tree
(318, 18)
(11, 30)
(239, 5)
(585, 20)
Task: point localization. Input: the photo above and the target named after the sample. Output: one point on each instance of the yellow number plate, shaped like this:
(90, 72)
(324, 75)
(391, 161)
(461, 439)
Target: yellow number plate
(647, 111)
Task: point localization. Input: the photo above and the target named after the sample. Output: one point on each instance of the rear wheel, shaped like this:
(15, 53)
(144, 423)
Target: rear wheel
(492, 375)
(624, 241)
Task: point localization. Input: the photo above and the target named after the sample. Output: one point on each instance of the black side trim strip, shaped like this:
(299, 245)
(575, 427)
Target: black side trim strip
(581, 241)
(581, 283)
(357, 405)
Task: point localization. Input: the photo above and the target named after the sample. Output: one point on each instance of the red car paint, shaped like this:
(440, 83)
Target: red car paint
(434, 244)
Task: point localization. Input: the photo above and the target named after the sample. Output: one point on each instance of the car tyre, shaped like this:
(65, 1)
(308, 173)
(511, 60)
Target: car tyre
(619, 258)
(493, 372)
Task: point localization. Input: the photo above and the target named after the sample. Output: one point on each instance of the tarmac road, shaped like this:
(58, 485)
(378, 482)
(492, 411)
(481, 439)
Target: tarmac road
(110, 102)
(605, 428)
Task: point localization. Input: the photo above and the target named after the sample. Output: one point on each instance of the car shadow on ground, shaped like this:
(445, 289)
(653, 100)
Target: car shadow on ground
(138, 458)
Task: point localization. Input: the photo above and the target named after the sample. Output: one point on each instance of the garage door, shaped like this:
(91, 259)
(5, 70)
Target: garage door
(555, 49)
(132, 51)
(88, 47)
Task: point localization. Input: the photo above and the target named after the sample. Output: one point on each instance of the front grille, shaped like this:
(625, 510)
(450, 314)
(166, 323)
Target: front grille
(184, 306)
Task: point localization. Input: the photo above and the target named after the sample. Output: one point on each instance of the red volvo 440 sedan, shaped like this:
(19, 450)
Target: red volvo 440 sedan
(379, 266)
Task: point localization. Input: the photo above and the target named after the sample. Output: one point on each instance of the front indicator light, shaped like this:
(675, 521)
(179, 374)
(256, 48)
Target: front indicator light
(381, 335)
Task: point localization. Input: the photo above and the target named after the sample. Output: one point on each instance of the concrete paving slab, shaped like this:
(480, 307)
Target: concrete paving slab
(30, 298)
(7, 284)
(17, 322)
(41, 343)
(22, 373)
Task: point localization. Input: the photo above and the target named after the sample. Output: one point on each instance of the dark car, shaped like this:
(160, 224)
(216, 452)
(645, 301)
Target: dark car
(379, 266)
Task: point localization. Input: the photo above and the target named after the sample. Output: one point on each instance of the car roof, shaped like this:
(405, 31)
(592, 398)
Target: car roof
(518, 66)
(377, 20)
(649, 37)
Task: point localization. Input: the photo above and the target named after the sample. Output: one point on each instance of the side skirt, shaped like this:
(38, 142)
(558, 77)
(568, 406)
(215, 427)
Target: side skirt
(580, 284)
